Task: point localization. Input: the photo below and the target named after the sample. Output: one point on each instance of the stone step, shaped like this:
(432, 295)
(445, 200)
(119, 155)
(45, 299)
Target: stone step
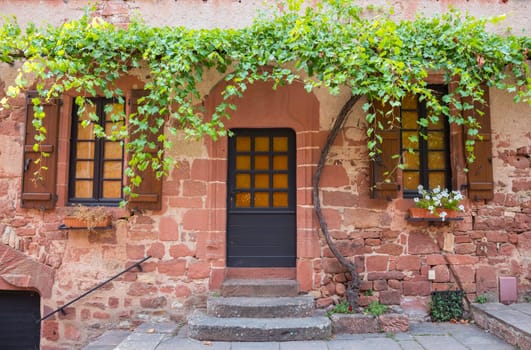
(259, 288)
(260, 307)
(204, 327)
(108, 340)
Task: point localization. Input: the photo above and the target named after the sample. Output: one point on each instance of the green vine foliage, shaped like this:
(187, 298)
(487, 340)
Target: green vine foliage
(334, 44)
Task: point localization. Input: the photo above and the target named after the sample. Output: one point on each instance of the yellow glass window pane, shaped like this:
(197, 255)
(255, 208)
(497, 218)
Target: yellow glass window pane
(261, 199)
(280, 199)
(439, 124)
(436, 140)
(112, 189)
(261, 144)
(436, 160)
(113, 150)
(280, 162)
(243, 200)
(409, 102)
(411, 160)
(85, 169)
(85, 133)
(83, 189)
(243, 162)
(115, 113)
(261, 180)
(112, 170)
(280, 144)
(411, 180)
(112, 127)
(85, 150)
(243, 181)
(280, 181)
(409, 120)
(407, 142)
(243, 143)
(261, 162)
(437, 179)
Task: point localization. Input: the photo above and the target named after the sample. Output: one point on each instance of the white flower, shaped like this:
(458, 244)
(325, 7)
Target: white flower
(443, 214)
(416, 199)
(461, 207)
(437, 189)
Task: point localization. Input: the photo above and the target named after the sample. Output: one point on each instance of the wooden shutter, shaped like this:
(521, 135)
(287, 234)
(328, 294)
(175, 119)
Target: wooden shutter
(480, 178)
(384, 182)
(40, 193)
(149, 193)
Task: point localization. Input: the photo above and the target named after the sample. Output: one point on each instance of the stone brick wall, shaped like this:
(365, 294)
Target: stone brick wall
(187, 237)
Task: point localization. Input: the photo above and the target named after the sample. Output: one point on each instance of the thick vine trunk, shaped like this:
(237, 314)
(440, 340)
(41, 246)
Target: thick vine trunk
(353, 286)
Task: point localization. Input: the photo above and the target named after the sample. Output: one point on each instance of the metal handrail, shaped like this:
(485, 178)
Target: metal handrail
(62, 308)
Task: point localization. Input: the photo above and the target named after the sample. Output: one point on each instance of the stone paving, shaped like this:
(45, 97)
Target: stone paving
(421, 336)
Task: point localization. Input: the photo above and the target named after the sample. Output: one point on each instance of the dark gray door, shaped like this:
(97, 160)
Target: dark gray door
(19, 313)
(261, 221)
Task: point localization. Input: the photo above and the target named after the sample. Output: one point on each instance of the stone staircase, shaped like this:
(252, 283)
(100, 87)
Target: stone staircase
(259, 310)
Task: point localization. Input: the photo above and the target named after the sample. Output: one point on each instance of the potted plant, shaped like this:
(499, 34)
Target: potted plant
(437, 203)
(80, 216)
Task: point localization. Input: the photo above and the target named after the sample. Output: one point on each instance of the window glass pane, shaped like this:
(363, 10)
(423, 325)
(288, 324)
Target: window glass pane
(437, 179)
(407, 143)
(411, 160)
(83, 189)
(261, 199)
(280, 144)
(243, 163)
(280, 199)
(85, 133)
(112, 127)
(84, 169)
(409, 120)
(243, 143)
(85, 150)
(436, 160)
(261, 162)
(112, 189)
(280, 162)
(243, 181)
(439, 125)
(113, 150)
(112, 170)
(116, 112)
(243, 200)
(436, 140)
(409, 102)
(280, 181)
(411, 180)
(261, 144)
(261, 181)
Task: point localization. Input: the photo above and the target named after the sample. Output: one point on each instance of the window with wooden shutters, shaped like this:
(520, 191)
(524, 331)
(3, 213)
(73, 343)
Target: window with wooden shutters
(149, 194)
(39, 187)
(96, 164)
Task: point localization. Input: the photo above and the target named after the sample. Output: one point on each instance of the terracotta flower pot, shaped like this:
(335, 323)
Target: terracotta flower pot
(74, 222)
(421, 213)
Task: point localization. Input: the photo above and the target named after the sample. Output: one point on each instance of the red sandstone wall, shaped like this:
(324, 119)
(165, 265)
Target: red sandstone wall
(187, 237)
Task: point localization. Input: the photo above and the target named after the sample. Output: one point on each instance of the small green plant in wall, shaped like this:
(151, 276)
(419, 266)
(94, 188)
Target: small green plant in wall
(481, 299)
(446, 306)
(376, 309)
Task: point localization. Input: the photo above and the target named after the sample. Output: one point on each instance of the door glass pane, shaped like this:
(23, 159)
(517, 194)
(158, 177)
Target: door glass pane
(409, 120)
(411, 180)
(85, 150)
(112, 170)
(112, 189)
(83, 189)
(407, 142)
(243, 200)
(280, 199)
(280, 162)
(437, 179)
(409, 102)
(261, 144)
(411, 160)
(436, 140)
(243, 163)
(261, 162)
(243, 143)
(261, 181)
(113, 150)
(261, 199)
(243, 181)
(436, 160)
(85, 133)
(280, 181)
(280, 144)
(85, 169)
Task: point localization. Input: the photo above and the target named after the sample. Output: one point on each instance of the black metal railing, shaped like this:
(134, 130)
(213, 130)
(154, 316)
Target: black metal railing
(62, 308)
